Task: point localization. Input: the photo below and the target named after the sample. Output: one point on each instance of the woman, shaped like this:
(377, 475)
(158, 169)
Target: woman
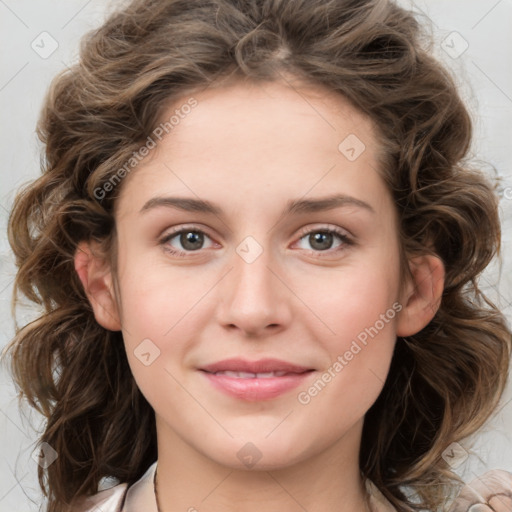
(256, 240)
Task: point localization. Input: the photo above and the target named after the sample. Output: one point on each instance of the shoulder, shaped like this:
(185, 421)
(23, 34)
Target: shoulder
(492, 490)
(108, 500)
(378, 503)
(123, 497)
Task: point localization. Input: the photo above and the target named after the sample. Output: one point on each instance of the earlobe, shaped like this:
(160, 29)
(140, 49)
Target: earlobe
(422, 296)
(95, 274)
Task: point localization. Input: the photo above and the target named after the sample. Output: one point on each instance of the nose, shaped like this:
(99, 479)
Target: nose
(254, 298)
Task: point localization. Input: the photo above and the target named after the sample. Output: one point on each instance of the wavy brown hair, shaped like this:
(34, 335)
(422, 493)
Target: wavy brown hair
(444, 382)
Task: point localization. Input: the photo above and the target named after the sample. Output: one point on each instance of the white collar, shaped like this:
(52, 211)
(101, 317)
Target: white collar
(141, 495)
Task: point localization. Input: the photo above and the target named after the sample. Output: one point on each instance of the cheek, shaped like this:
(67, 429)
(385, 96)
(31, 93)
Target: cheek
(353, 299)
(163, 315)
(363, 317)
(358, 307)
(156, 299)
(157, 322)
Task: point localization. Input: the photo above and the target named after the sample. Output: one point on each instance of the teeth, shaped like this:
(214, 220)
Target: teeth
(249, 375)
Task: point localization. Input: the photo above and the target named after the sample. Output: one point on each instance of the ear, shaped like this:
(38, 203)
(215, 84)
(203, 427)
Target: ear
(96, 276)
(422, 295)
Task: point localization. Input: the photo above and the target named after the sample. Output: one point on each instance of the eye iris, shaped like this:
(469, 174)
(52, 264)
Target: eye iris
(191, 240)
(322, 238)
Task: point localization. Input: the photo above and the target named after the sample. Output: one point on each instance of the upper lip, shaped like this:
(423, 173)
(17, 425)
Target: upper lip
(260, 366)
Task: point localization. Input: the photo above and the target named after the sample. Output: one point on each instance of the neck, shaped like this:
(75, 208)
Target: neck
(329, 481)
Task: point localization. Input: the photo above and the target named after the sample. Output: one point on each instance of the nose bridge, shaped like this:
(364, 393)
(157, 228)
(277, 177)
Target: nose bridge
(253, 297)
(253, 278)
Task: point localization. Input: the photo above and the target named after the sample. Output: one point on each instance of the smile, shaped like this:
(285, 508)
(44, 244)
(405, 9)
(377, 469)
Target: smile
(249, 375)
(255, 381)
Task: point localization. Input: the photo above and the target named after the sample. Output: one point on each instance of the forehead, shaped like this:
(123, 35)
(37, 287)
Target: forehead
(260, 140)
(280, 112)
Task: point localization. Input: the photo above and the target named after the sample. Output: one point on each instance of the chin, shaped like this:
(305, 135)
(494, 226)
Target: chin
(260, 455)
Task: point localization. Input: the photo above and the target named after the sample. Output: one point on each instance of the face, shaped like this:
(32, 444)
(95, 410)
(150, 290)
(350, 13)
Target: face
(258, 274)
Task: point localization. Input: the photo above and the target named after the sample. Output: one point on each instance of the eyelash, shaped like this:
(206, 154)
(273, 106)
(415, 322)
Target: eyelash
(345, 239)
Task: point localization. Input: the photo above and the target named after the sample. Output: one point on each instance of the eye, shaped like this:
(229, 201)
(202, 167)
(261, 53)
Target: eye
(322, 240)
(187, 239)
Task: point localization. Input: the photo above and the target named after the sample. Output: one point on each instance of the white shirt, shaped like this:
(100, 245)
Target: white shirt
(140, 497)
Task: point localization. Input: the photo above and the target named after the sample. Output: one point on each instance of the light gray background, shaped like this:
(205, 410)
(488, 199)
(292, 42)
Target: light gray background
(473, 37)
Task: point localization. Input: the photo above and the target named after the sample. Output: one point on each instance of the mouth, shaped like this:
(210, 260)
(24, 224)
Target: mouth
(255, 380)
(251, 368)
(249, 375)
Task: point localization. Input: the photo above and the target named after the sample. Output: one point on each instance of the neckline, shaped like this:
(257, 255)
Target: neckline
(141, 495)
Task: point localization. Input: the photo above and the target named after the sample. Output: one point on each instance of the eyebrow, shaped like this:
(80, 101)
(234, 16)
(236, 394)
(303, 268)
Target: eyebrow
(293, 207)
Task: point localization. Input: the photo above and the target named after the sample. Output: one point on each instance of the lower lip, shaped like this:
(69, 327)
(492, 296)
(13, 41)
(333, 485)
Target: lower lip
(256, 389)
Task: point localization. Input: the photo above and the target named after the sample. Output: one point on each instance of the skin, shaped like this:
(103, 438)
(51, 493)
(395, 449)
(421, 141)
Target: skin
(250, 149)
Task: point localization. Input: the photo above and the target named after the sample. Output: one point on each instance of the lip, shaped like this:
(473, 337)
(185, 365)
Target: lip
(260, 366)
(255, 389)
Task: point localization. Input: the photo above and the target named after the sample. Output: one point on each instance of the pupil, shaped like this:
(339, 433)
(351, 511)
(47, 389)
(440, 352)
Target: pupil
(321, 238)
(191, 240)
